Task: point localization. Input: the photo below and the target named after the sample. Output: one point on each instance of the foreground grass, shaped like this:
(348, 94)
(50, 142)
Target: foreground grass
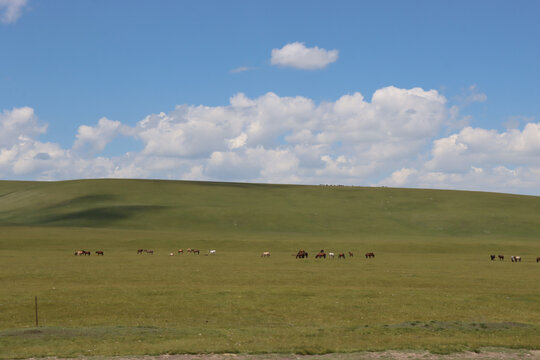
(430, 287)
(418, 293)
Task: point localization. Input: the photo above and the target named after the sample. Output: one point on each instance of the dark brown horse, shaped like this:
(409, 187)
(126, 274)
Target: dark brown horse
(370, 255)
(341, 256)
(538, 259)
(195, 251)
(99, 252)
(321, 254)
(180, 251)
(501, 257)
(492, 257)
(86, 253)
(140, 251)
(302, 254)
(151, 252)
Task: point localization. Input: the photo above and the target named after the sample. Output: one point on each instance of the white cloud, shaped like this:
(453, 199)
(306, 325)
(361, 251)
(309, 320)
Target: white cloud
(353, 140)
(297, 55)
(92, 140)
(11, 10)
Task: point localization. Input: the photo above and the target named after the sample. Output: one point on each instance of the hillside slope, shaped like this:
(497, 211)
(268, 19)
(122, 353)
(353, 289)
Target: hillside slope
(156, 204)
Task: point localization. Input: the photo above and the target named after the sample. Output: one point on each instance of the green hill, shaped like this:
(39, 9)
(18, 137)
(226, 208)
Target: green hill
(170, 205)
(431, 285)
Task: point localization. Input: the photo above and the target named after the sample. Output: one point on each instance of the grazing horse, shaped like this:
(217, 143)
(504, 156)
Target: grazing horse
(79, 252)
(86, 253)
(171, 254)
(331, 254)
(195, 251)
(492, 257)
(351, 254)
(538, 259)
(302, 254)
(341, 256)
(370, 255)
(180, 251)
(265, 254)
(99, 252)
(516, 258)
(501, 257)
(321, 254)
(140, 251)
(151, 252)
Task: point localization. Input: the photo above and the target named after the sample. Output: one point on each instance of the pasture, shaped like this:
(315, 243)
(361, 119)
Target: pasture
(431, 286)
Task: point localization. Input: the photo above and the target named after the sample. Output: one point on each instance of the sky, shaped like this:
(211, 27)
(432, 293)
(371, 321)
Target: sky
(415, 94)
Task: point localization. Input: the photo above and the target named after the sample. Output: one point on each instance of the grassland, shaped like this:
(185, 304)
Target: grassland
(430, 287)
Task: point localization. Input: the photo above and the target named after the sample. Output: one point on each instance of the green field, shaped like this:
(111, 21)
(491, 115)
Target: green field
(430, 287)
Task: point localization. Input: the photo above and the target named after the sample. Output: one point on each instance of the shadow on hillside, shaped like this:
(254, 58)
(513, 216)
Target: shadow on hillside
(101, 216)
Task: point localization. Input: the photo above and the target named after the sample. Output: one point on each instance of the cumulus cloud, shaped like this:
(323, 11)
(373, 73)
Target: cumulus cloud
(11, 10)
(92, 140)
(479, 159)
(297, 55)
(391, 139)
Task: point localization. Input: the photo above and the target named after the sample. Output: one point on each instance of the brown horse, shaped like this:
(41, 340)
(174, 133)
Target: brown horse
(302, 254)
(501, 257)
(86, 253)
(195, 251)
(321, 254)
(140, 251)
(538, 259)
(341, 256)
(180, 251)
(151, 252)
(99, 252)
(370, 255)
(351, 254)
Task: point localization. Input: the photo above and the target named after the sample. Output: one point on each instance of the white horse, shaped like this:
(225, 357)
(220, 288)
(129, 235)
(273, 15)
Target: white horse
(212, 252)
(265, 254)
(331, 254)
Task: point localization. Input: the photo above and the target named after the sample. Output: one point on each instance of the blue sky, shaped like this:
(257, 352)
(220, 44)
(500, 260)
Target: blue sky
(73, 63)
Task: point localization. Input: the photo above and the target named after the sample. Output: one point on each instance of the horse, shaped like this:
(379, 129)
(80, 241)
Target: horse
(86, 253)
(370, 255)
(492, 257)
(265, 254)
(501, 257)
(341, 256)
(538, 259)
(331, 254)
(302, 254)
(516, 258)
(351, 254)
(171, 254)
(151, 252)
(140, 251)
(321, 254)
(180, 251)
(195, 251)
(99, 252)
(211, 252)
(79, 252)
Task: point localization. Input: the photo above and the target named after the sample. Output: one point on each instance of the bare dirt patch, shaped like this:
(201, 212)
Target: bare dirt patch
(383, 355)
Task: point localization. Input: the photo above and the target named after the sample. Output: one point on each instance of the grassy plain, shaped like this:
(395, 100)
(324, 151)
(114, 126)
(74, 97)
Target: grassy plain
(430, 287)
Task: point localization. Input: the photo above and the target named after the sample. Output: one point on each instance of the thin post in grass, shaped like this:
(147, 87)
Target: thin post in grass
(37, 324)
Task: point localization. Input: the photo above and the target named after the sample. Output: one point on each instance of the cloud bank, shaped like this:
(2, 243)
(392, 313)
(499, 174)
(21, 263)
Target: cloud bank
(297, 55)
(392, 139)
